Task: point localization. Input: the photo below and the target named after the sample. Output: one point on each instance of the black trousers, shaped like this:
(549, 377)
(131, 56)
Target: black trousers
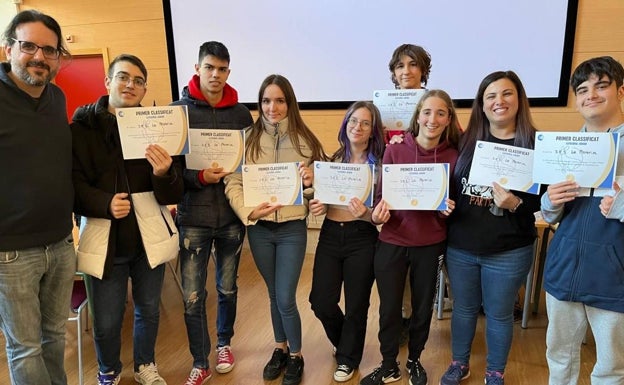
(344, 255)
(391, 266)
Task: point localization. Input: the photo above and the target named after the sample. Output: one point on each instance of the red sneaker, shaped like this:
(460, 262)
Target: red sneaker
(225, 359)
(198, 376)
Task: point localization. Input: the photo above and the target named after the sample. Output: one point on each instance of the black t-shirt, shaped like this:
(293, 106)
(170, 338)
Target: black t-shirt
(474, 228)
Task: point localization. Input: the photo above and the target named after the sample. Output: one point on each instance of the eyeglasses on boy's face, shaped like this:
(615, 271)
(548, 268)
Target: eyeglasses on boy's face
(124, 78)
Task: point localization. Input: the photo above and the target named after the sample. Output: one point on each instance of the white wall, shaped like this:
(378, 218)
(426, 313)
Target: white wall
(8, 9)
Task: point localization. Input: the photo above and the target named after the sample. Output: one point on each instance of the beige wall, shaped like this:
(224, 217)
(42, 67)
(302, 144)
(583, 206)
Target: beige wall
(7, 10)
(137, 27)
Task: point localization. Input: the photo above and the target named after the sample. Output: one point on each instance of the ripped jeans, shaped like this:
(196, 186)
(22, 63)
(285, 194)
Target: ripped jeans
(196, 245)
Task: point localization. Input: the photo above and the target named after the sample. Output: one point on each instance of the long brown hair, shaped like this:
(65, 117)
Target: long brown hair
(479, 126)
(452, 131)
(296, 126)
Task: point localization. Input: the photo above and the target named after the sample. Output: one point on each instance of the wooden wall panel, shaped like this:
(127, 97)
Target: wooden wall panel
(135, 27)
(138, 27)
(599, 26)
(77, 12)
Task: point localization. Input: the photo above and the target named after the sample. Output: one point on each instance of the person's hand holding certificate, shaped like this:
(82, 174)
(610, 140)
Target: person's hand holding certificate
(509, 166)
(420, 186)
(337, 183)
(142, 126)
(212, 149)
(588, 158)
(274, 183)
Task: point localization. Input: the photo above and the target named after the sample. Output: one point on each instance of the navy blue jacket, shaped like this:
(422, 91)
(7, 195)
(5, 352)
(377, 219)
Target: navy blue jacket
(585, 261)
(206, 205)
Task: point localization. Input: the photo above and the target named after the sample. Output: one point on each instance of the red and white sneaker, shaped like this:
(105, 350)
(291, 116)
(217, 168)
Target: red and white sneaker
(225, 359)
(198, 376)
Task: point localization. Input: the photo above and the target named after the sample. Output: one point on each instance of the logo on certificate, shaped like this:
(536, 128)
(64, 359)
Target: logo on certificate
(273, 199)
(570, 177)
(342, 198)
(215, 164)
(414, 202)
(503, 181)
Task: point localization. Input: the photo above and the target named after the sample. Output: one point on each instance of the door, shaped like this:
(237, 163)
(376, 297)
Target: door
(82, 79)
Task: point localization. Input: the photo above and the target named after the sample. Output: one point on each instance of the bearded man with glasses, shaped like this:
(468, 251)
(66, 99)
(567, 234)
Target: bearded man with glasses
(37, 258)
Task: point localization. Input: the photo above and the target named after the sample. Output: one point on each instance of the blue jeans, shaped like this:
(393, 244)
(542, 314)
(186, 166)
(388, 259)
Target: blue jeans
(278, 250)
(195, 248)
(35, 292)
(108, 303)
(492, 280)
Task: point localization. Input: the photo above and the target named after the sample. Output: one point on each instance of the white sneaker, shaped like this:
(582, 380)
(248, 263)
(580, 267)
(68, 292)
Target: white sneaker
(148, 375)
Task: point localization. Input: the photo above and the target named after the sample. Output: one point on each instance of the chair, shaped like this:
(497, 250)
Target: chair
(79, 301)
(175, 266)
(536, 274)
(442, 284)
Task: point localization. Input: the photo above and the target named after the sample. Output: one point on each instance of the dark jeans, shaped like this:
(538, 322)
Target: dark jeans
(391, 266)
(278, 250)
(344, 254)
(108, 302)
(195, 249)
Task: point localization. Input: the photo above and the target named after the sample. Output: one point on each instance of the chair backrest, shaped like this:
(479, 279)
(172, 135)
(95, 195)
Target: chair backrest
(79, 295)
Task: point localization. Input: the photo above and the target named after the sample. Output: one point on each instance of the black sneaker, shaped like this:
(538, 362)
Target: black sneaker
(294, 370)
(343, 373)
(274, 367)
(405, 324)
(418, 375)
(382, 375)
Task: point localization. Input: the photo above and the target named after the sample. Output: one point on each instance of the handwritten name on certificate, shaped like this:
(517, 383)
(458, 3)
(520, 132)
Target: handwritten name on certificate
(397, 106)
(421, 186)
(212, 148)
(509, 166)
(337, 183)
(584, 157)
(142, 126)
(277, 183)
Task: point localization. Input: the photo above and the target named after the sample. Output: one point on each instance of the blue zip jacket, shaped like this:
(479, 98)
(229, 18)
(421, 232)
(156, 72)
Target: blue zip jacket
(585, 261)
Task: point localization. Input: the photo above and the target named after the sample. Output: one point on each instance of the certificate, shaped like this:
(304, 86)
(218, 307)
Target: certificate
(420, 186)
(397, 107)
(212, 148)
(588, 158)
(142, 126)
(337, 183)
(619, 176)
(276, 183)
(509, 166)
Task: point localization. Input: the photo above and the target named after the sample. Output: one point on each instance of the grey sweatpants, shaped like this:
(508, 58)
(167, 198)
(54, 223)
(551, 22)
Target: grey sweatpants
(567, 325)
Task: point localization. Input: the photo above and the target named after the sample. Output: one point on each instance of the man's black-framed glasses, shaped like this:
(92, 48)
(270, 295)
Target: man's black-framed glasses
(31, 48)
